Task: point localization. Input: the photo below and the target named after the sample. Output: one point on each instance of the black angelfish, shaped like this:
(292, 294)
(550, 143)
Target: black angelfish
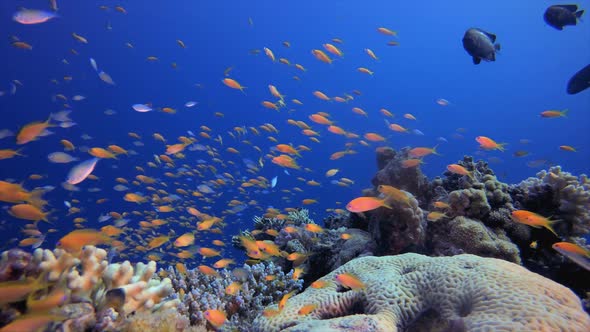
(480, 45)
(559, 16)
(580, 81)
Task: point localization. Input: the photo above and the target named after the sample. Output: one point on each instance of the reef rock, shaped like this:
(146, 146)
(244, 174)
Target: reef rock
(420, 293)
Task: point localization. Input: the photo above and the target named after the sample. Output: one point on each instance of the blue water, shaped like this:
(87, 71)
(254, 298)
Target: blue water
(501, 100)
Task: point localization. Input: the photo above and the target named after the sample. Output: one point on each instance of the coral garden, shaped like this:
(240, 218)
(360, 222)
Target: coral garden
(449, 255)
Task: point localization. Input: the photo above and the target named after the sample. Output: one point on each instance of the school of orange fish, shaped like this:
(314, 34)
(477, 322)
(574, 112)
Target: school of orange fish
(166, 203)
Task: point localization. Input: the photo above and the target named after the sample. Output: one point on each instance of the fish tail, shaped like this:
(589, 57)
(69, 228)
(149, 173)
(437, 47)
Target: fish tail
(434, 150)
(36, 198)
(579, 13)
(501, 146)
(565, 112)
(386, 204)
(242, 89)
(549, 225)
(497, 47)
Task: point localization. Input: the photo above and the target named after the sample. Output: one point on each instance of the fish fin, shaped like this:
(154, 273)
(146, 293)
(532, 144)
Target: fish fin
(497, 47)
(579, 14)
(571, 8)
(476, 61)
(385, 204)
(564, 112)
(491, 36)
(550, 223)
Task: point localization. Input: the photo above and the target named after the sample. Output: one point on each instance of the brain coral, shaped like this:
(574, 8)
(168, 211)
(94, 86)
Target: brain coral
(411, 292)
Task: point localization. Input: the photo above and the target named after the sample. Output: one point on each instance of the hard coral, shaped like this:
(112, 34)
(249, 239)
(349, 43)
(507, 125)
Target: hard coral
(261, 285)
(462, 235)
(475, 293)
(556, 190)
(88, 278)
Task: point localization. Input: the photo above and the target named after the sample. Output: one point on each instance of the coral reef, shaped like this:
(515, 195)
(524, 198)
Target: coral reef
(557, 192)
(92, 294)
(462, 235)
(255, 287)
(324, 250)
(415, 292)
(399, 229)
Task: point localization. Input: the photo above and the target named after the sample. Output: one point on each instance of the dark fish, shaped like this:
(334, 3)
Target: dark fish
(480, 45)
(579, 82)
(559, 16)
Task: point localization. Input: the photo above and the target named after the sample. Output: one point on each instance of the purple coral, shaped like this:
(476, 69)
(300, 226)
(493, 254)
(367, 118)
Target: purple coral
(261, 285)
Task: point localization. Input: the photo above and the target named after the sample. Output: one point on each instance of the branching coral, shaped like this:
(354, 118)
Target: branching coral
(88, 279)
(259, 286)
(467, 291)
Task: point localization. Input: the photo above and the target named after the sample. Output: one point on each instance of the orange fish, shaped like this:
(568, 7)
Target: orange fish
(363, 204)
(373, 137)
(386, 31)
(224, 262)
(398, 128)
(320, 55)
(409, 163)
(332, 49)
(321, 95)
(288, 149)
(284, 300)
(487, 143)
(576, 253)
(269, 54)
(27, 212)
(554, 114)
(9, 153)
(365, 70)
(158, 241)
(349, 280)
(215, 317)
(233, 84)
(319, 284)
(76, 240)
(233, 288)
(422, 152)
(534, 220)
(460, 170)
(567, 148)
(101, 153)
(306, 309)
(394, 193)
(184, 240)
(208, 252)
(32, 131)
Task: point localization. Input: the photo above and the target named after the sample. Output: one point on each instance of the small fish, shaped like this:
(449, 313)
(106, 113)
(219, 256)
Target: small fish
(81, 171)
(363, 204)
(141, 108)
(273, 182)
(576, 253)
(106, 78)
(349, 280)
(534, 220)
(33, 16)
(215, 317)
(93, 64)
(77, 239)
(554, 114)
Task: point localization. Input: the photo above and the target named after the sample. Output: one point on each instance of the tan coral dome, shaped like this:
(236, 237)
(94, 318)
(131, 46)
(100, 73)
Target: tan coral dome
(465, 292)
